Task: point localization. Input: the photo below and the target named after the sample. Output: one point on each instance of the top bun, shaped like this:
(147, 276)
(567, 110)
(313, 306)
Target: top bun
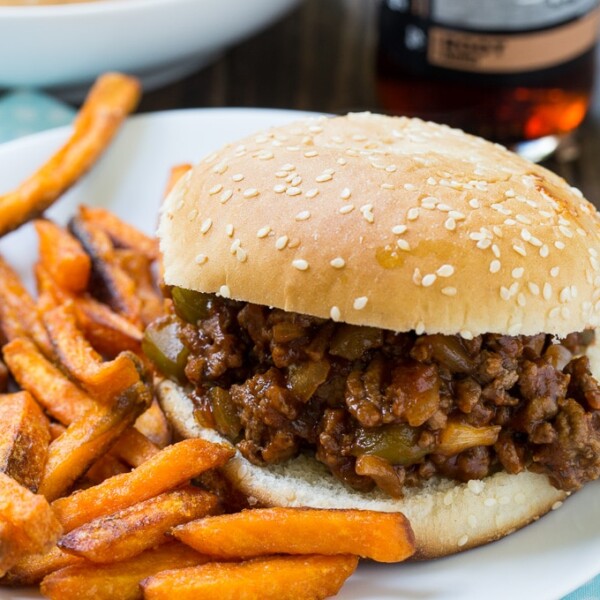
(388, 222)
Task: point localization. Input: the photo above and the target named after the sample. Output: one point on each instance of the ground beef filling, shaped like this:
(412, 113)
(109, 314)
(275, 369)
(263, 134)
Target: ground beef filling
(393, 409)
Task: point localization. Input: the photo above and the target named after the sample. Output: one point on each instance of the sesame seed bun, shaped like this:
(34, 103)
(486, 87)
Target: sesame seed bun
(446, 517)
(389, 222)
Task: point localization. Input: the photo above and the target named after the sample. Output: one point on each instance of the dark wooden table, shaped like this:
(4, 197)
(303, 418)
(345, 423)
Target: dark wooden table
(321, 58)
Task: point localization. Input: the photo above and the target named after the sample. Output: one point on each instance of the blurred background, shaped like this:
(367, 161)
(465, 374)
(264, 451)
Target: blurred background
(438, 59)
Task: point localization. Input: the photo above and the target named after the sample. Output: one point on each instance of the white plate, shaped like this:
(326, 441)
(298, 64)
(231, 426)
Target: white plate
(542, 562)
(158, 40)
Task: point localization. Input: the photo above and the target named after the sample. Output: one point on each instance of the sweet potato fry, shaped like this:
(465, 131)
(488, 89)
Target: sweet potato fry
(139, 268)
(18, 311)
(309, 577)
(64, 400)
(89, 437)
(56, 430)
(384, 537)
(24, 439)
(118, 581)
(105, 467)
(111, 284)
(111, 98)
(134, 447)
(31, 569)
(176, 173)
(130, 531)
(63, 257)
(103, 380)
(167, 470)
(59, 396)
(27, 523)
(121, 233)
(108, 332)
(154, 425)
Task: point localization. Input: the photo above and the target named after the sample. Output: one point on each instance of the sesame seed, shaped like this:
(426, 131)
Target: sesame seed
(281, 242)
(229, 229)
(241, 254)
(428, 280)
(311, 154)
(263, 232)
(417, 277)
(484, 244)
(345, 194)
(544, 251)
(403, 245)
(554, 271)
(338, 262)
(560, 245)
(265, 155)
(387, 186)
(463, 540)
(225, 196)
(521, 300)
(367, 212)
(279, 188)
(280, 174)
(409, 187)
(347, 208)
(450, 224)
(323, 178)
(420, 328)
(519, 250)
(444, 207)
(495, 266)
(504, 293)
(341, 161)
(335, 313)
(431, 181)
(300, 264)
(296, 180)
(557, 505)
(206, 225)
(399, 229)
(215, 189)
(565, 231)
(496, 250)
(312, 193)
(192, 214)
(220, 168)
(200, 259)
(303, 215)
(412, 214)
(449, 291)
(225, 291)
(391, 168)
(360, 303)
(518, 272)
(448, 498)
(288, 167)
(237, 177)
(547, 291)
(474, 203)
(534, 288)
(472, 520)
(235, 245)
(445, 271)
(490, 502)
(250, 193)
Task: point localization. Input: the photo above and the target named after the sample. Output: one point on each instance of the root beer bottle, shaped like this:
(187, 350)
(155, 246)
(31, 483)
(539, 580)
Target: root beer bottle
(519, 72)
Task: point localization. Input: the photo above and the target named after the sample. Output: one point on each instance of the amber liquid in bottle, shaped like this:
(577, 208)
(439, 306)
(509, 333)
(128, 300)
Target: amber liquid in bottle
(512, 108)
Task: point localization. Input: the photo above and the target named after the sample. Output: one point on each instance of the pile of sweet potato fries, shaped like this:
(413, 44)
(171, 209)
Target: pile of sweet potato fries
(96, 498)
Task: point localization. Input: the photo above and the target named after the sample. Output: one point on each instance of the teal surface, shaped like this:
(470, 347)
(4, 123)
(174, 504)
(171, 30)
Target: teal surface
(24, 112)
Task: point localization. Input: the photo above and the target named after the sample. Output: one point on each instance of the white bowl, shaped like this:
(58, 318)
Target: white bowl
(159, 40)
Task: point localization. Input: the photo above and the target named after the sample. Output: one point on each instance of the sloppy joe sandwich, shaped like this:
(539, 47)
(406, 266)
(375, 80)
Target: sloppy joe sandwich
(385, 313)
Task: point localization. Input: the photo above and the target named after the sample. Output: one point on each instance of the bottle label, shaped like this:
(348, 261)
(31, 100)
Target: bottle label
(494, 37)
(497, 53)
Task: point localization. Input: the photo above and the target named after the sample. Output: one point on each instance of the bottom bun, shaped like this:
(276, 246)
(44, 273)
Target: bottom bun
(446, 516)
